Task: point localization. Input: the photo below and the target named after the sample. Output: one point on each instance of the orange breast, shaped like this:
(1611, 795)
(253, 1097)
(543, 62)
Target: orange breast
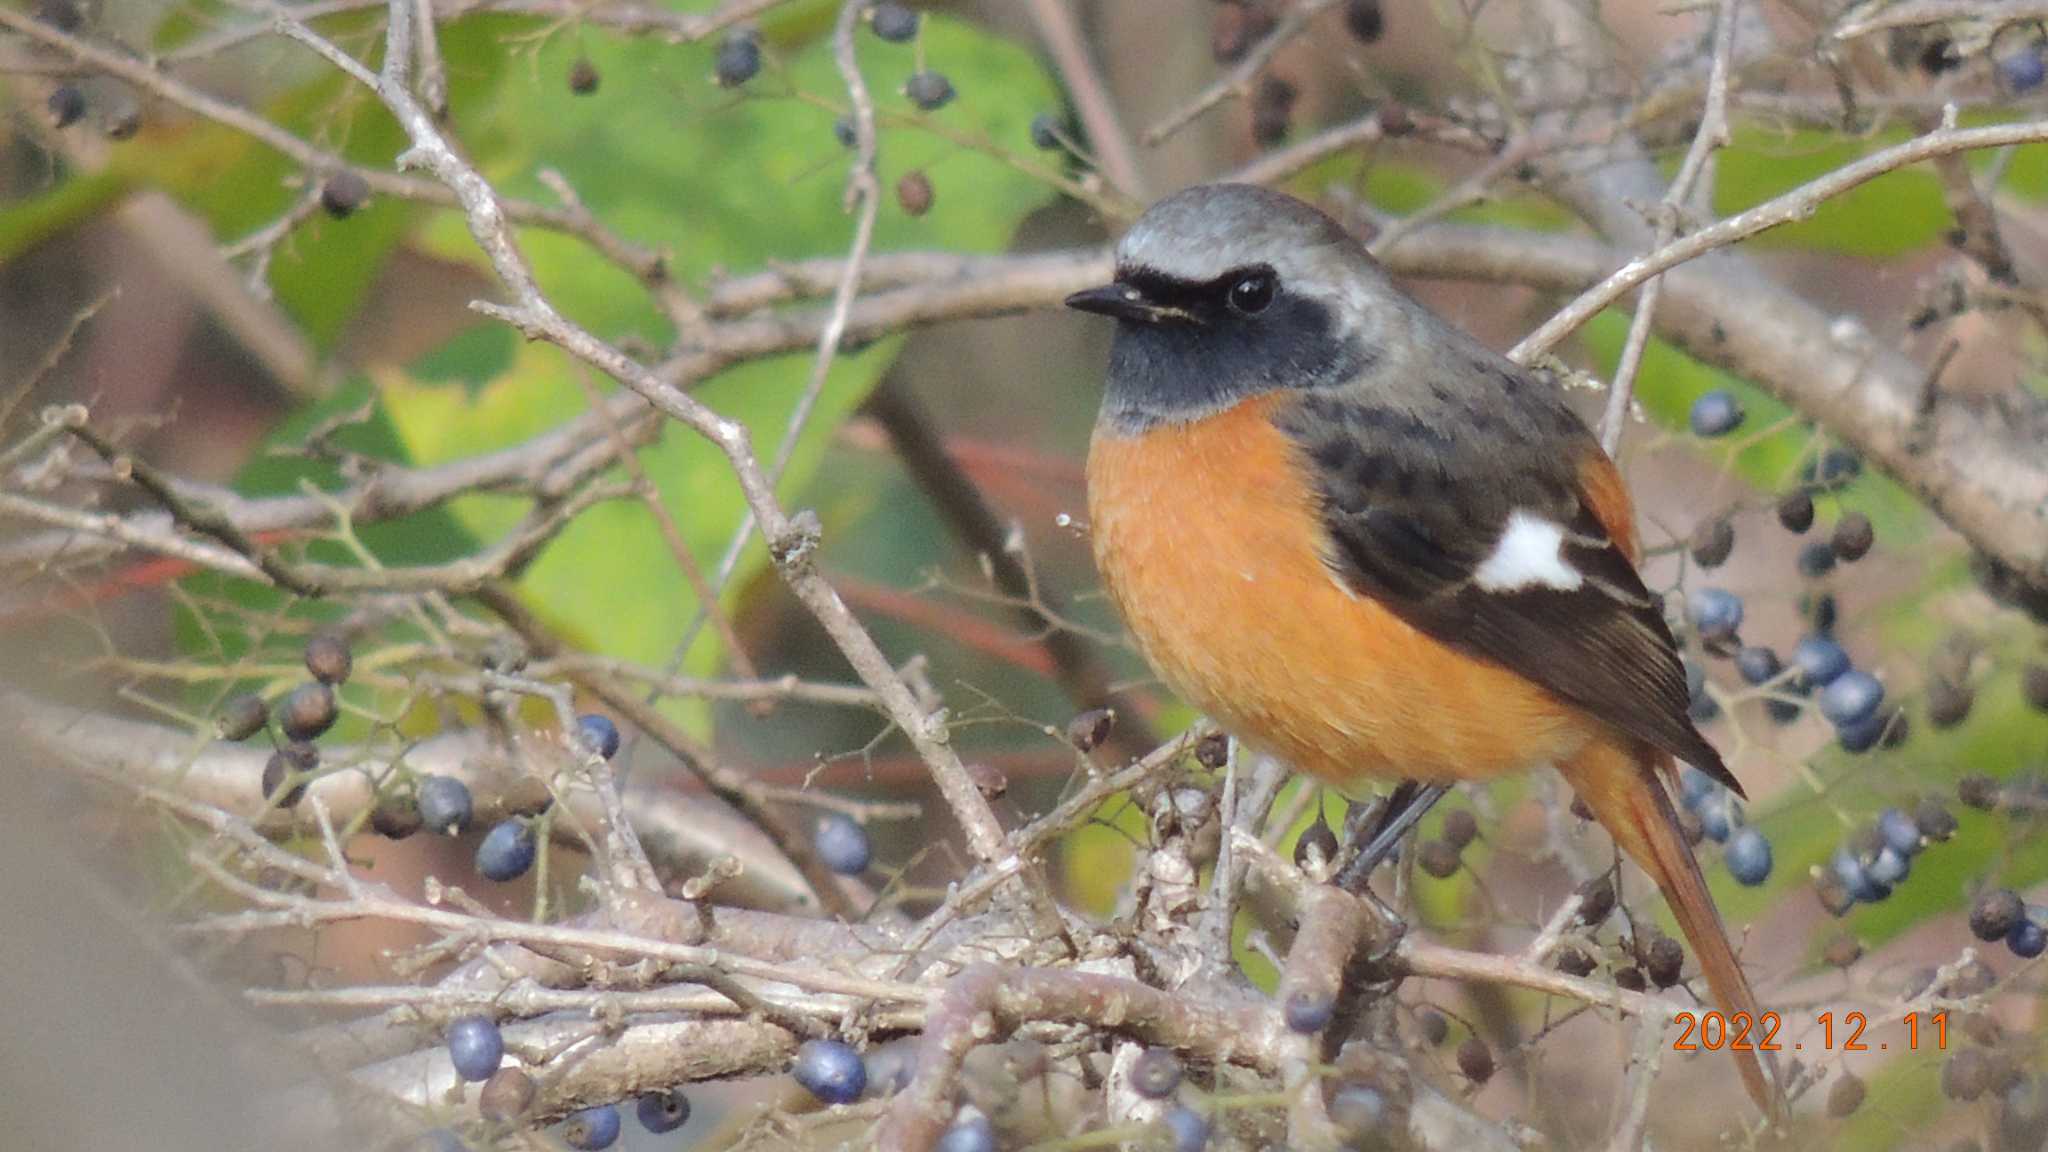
(1207, 536)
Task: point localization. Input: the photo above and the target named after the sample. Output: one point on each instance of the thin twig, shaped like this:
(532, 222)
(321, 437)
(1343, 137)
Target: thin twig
(1237, 83)
(1114, 152)
(1795, 205)
(1711, 136)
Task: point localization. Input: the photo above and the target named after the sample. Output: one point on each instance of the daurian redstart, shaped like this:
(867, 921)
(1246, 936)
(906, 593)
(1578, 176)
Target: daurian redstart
(1365, 543)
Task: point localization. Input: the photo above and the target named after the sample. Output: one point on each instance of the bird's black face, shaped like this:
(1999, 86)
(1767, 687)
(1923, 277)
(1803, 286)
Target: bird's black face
(1185, 349)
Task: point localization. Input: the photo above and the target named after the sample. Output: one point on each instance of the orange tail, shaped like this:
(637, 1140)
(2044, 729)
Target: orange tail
(1622, 788)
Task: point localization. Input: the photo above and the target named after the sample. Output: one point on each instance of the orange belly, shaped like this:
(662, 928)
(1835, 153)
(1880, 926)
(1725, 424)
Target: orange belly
(1208, 539)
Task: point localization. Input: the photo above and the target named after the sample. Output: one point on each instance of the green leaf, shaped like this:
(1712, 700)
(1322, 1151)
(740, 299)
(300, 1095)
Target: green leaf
(1898, 212)
(718, 180)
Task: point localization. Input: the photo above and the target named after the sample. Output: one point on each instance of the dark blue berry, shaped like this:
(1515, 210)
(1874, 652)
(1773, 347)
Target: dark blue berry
(1188, 1128)
(1719, 816)
(1716, 413)
(972, 1132)
(1901, 832)
(1155, 1073)
(1308, 1012)
(1694, 786)
(1889, 867)
(1715, 612)
(2027, 939)
(739, 59)
(896, 23)
(1834, 468)
(1855, 878)
(1699, 702)
(598, 734)
(663, 1111)
(1864, 734)
(1820, 661)
(2022, 71)
(475, 1047)
(592, 1128)
(1749, 857)
(843, 131)
(1816, 559)
(830, 1070)
(843, 844)
(1756, 664)
(1360, 1114)
(444, 804)
(507, 851)
(1045, 132)
(1851, 698)
(929, 90)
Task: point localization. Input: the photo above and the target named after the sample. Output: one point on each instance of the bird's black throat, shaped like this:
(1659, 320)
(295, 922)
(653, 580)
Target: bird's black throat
(1210, 356)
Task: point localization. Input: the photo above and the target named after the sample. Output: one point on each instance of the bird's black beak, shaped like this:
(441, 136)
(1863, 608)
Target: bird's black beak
(1123, 302)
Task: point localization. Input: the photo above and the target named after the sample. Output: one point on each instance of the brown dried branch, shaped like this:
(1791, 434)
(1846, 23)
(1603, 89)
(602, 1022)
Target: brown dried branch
(681, 830)
(986, 1002)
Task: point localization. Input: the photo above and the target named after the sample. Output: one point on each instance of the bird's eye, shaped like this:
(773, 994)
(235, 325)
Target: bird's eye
(1252, 292)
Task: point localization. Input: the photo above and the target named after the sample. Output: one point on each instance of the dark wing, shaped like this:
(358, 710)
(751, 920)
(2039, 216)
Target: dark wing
(1413, 520)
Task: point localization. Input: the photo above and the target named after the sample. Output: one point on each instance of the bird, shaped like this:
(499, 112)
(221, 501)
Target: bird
(1365, 543)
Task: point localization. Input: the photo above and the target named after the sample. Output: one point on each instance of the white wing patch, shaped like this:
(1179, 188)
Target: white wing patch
(1531, 551)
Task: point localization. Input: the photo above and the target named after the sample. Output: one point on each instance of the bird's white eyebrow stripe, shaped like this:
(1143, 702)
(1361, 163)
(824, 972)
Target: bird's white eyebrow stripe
(1530, 552)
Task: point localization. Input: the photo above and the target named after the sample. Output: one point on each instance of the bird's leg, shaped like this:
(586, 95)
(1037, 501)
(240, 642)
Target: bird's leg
(1408, 803)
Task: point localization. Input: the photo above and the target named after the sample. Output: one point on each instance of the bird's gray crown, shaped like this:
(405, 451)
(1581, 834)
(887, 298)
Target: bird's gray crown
(1185, 344)
(1203, 232)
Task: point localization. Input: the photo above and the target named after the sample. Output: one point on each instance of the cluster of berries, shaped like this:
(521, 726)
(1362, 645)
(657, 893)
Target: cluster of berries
(1647, 957)
(1878, 859)
(304, 716)
(1851, 699)
(834, 1072)
(1999, 913)
(476, 1048)
(435, 802)
(120, 118)
(1238, 25)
